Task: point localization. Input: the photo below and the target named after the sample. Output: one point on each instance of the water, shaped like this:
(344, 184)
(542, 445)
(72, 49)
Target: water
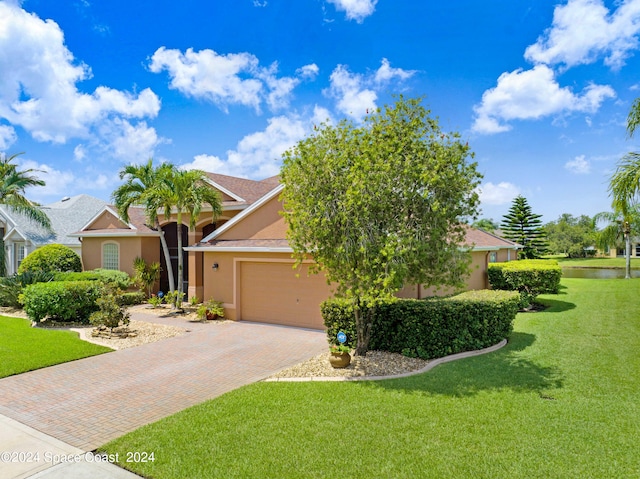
(597, 273)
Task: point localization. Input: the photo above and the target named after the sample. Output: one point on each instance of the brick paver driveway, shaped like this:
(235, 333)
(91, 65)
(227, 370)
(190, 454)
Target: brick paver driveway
(87, 403)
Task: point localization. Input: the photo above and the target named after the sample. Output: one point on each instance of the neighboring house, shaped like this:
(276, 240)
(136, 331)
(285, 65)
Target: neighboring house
(244, 259)
(21, 236)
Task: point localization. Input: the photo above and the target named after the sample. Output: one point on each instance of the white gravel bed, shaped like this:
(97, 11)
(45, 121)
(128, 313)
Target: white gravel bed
(374, 363)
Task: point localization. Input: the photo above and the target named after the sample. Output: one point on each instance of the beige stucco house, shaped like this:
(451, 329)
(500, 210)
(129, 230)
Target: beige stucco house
(244, 259)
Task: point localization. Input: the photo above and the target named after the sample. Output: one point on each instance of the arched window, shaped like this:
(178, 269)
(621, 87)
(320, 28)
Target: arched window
(110, 256)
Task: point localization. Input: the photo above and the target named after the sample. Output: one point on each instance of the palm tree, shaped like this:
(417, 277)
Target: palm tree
(13, 183)
(625, 182)
(622, 222)
(186, 192)
(142, 187)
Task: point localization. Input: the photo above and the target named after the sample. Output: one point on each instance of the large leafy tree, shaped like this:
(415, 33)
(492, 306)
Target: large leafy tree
(186, 193)
(570, 235)
(13, 183)
(381, 204)
(486, 224)
(143, 186)
(524, 227)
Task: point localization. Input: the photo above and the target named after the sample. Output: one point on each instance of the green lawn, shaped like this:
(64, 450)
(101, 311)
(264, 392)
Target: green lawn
(561, 400)
(597, 262)
(23, 348)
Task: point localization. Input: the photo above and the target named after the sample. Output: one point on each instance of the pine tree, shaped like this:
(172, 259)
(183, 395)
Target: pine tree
(525, 228)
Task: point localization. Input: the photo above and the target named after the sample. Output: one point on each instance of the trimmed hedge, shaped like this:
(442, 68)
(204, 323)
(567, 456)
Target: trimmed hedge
(529, 277)
(61, 300)
(118, 279)
(431, 328)
(51, 258)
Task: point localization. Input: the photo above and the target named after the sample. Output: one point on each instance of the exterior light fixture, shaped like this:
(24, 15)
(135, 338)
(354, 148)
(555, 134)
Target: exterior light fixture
(215, 266)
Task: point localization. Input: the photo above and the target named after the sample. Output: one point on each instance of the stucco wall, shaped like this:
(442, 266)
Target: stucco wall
(147, 248)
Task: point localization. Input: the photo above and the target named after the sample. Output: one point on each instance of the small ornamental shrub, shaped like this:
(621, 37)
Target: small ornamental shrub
(114, 278)
(529, 277)
(434, 327)
(61, 300)
(51, 258)
(111, 312)
(11, 287)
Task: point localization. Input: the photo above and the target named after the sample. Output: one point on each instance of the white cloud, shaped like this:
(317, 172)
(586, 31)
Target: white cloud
(353, 98)
(355, 93)
(356, 10)
(7, 137)
(308, 71)
(38, 85)
(585, 30)
(57, 183)
(231, 79)
(387, 73)
(259, 154)
(578, 165)
(130, 142)
(533, 94)
(499, 194)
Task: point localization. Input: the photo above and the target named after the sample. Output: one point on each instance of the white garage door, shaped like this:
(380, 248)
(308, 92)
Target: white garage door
(271, 293)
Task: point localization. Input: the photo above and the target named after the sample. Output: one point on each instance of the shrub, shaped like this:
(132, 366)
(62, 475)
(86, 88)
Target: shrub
(61, 300)
(529, 277)
(51, 258)
(132, 297)
(338, 316)
(434, 327)
(111, 312)
(117, 279)
(11, 287)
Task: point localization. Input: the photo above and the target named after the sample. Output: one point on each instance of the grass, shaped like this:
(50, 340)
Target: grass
(561, 400)
(23, 348)
(597, 263)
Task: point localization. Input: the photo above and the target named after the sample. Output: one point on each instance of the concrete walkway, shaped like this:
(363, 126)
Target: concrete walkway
(89, 402)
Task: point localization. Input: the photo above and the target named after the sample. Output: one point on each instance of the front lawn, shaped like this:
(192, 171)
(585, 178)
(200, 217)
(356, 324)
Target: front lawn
(23, 348)
(562, 399)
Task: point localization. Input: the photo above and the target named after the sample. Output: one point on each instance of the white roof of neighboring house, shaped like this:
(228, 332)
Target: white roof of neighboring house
(67, 216)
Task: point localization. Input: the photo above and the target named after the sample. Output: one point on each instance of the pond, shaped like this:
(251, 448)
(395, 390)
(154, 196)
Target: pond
(597, 273)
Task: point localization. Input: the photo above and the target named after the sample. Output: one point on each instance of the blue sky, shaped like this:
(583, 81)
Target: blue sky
(540, 89)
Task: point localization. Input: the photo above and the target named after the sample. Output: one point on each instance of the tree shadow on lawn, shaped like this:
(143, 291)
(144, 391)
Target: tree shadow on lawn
(555, 305)
(502, 369)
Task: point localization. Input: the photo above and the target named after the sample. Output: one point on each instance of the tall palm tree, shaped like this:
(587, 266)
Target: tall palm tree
(625, 182)
(143, 187)
(620, 223)
(13, 183)
(186, 192)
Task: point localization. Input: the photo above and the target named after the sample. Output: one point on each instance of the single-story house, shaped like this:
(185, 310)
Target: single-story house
(21, 235)
(244, 259)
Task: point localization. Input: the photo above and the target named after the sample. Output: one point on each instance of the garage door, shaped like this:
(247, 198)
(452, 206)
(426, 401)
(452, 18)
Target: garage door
(271, 293)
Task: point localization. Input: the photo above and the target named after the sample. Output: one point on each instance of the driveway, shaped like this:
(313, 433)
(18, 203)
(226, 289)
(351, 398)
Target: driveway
(89, 402)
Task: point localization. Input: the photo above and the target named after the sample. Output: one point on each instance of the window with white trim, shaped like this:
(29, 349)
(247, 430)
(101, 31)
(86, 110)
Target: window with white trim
(20, 254)
(110, 256)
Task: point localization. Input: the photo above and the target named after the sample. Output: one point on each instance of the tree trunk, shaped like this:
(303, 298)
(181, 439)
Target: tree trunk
(178, 303)
(363, 328)
(627, 254)
(167, 257)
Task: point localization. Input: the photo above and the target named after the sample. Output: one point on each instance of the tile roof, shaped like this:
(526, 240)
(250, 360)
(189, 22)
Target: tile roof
(67, 216)
(249, 190)
(482, 239)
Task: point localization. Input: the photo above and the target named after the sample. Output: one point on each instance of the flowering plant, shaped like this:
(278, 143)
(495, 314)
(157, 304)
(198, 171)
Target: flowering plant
(339, 348)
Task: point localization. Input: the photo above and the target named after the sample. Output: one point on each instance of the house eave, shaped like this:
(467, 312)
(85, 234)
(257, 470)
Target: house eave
(239, 249)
